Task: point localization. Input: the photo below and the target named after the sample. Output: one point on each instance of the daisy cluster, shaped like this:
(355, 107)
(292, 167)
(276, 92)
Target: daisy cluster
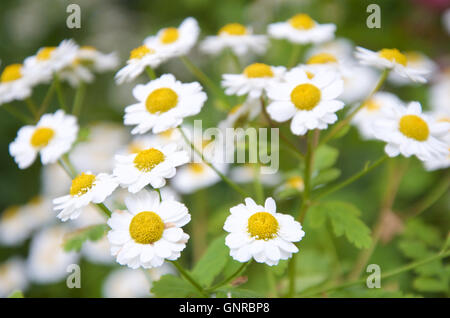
(137, 177)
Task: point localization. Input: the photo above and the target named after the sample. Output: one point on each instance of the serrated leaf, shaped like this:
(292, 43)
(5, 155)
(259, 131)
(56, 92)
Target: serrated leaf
(325, 157)
(173, 287)
(326, 176)
(74, 241)
(16, 294)
(430, 284)
(413, 249)
(415, 228)
(212, 262)
(344, 218)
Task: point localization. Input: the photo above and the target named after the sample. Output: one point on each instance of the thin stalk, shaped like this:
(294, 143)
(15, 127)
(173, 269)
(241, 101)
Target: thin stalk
(78, 100)
(230, 278)
(352, 114)
(32, 108)
(17, 114)
(47, 99)
(189, 278)
(367, 168)
(150, 72)
(438, 191)
(233, 185)
(311, 143)
(235, 59)
(60, 93)
(391, 273)
(292, 269)
(259, 190)
(199, 230)
(295, 55)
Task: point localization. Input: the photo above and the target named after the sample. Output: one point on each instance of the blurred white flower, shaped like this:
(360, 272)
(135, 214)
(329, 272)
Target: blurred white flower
(15, 84)
(14, 226)
(418, 61)
(12, 276)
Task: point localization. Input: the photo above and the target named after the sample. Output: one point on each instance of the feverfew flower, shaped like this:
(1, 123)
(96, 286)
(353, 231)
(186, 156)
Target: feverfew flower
(76, 73)
(51, 59)
(139, 59)
(149, 231)
(237, 37)
(197, 175)
(15, 227)
(372, 111)
(85, 188)
(96, 60)
(418, 61)
(173, 42)
(408, 131)
(150, 166)
(311, 103)
(52, 137)
(12, 276)
(240, 114)
(301, 29)
(261, 233)
(439, 96)
(162, 104)
(15, 84)
(253, 81)
(391, 59)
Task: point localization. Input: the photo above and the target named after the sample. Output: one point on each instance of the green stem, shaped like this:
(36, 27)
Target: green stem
(230, 278)
(150, 72)
(433, 196)
(295, 55)
(292, 268)
(47, 99)
(391, 273)
(78, 100)
(17, 114)
(32, 108)
(352, 114)
(307, 175)
(235, 59)
(189, 278)
(367, 168)
(221, 175)
(259, 190)
(60, 93)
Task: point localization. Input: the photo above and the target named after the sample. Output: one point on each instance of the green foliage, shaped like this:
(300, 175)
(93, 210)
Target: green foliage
(325, 157)
(16, 294)
(326, 176)
(173, 286)
(344, 218)
(75, 240)
(212, 262)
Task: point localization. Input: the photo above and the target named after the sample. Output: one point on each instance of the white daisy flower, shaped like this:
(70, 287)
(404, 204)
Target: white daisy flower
(52, 137)
(149, 232)
(441, 116)
(140, 58)
(311, 103)
(237, 37)
(408, 131)
(418, 61)
(253, 81)
(163, 103)
(142, 142)
(439, 95)
(54, 181)
(372, 111)
(261, 233)
(12, 276)
(195, 176)
(38, 212)
(76, 73)
(151, 166)
(51, 59)
(173, 42)
(241, 114)
(86, 188)
(302, 29)
(391, 59)
(47, 261)
(15, 84)
(96, 60)
(14, 226)
(246, 173)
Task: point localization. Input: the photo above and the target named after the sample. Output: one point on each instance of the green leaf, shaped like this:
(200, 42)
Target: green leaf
(16, 294)
(212, 262)
(344, 218)
(325, 157)
(326, 176)
(413, 249)
(74, 241)
(430, 284)
(173, 287)
(415, 228)
(342, 132)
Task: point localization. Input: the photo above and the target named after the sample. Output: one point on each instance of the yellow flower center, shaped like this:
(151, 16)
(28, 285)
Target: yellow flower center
(322, 58)
(88, 47)
(234, 109)
(82, 184)
(196, 168)
(140, 52)
(169, 35)
(413, 56)
(309, 75)
(371, 105)
(146, 160)
(263, 226)
(233, 29)
(258, 70)
(414, 127)
(10, 212)
(305, 96)
(393, 55)
(161, 100)
(41, 137)
(45, 53)
(167, 134)
(302, 21)
(146, 227)
(295, 182)
(11, 73)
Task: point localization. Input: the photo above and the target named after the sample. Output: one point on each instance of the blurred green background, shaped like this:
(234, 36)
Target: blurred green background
(26, 25)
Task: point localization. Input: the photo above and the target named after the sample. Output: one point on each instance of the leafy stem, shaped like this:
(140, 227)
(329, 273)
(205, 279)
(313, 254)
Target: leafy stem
(78, 101)
(230, 278)
(190, 279)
